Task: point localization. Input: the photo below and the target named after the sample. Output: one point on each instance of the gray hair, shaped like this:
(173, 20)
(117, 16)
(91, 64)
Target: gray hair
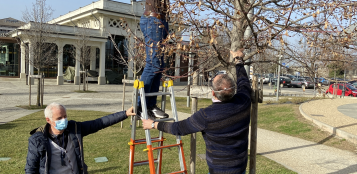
(223, 87)
(50, 107)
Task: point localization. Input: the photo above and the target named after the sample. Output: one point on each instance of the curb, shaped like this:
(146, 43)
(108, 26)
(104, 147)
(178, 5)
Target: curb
(333, 130)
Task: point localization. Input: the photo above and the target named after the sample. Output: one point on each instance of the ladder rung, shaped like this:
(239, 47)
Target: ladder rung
(183, 171)
(164, 119)
(146, 162)
(167, 146)
(157, 93)
(153, 140)
(144, 140)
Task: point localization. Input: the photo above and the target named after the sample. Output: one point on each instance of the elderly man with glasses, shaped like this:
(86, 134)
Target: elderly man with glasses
(224, 124)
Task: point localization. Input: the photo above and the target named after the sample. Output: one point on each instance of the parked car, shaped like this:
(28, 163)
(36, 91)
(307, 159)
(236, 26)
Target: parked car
(284, 81)
(266, 79)
(353, 82)
(290, 76)
(308, 82)
(323, 81)
(337, 80)
(297, 82)
(348, 89)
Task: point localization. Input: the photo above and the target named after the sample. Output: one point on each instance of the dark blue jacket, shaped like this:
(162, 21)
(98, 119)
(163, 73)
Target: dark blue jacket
(39, 151)
(224, 127)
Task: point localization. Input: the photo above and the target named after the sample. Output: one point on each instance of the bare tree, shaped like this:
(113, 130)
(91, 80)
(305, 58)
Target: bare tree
(81, 50)
(40, 37)
(135, 46)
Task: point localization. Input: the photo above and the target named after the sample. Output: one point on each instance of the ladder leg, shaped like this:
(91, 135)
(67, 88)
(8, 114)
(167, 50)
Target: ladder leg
(133, 130)
(178, 138)
(147, 131)
(151, 159)
(131, 156)
(159, 152)
(159, 157)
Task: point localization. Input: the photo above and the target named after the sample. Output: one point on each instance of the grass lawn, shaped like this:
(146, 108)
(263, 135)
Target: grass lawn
(111, 142)
(32, 107)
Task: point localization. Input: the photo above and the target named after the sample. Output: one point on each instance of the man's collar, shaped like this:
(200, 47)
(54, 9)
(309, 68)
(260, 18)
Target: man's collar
(215, 101)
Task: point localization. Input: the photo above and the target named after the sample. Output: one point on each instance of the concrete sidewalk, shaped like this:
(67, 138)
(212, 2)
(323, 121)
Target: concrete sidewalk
(296, 154)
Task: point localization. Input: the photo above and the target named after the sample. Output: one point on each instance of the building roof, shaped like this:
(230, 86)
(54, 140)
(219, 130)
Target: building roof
(11, 23)
(104, 6)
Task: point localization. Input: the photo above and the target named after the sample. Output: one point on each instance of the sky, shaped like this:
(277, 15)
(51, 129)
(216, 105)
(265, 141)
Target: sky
(14, 8)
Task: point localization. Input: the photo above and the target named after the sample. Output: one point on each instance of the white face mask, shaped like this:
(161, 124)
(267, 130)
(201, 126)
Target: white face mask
(214, 100)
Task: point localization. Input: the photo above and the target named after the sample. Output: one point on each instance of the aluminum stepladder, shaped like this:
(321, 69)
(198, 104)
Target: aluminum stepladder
(139, 89)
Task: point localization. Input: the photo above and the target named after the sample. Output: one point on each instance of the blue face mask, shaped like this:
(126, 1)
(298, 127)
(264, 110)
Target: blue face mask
(61, 124)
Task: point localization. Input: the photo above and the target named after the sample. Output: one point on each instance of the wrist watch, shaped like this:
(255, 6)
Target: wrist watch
(153, 125)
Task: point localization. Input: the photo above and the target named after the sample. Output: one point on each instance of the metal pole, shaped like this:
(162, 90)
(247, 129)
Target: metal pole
(30, 90)
(278, 80)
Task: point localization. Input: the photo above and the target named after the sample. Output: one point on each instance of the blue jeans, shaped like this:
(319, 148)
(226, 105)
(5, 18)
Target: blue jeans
(154, 60)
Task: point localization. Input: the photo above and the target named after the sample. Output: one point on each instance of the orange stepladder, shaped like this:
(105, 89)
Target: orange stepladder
(139, 90)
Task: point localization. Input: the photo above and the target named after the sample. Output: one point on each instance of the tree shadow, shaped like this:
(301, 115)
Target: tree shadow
(7, 125)
(349, 169)
(321, 142)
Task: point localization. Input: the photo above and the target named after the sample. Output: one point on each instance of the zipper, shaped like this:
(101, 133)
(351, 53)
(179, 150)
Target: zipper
(80, 149)
(46, 163)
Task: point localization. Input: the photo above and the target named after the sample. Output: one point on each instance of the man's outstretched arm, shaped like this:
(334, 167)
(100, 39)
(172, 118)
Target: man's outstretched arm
(89, 127)
(195, 123)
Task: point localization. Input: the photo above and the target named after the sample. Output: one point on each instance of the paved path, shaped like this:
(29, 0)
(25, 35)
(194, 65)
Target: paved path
(296, 154)
(338, 116)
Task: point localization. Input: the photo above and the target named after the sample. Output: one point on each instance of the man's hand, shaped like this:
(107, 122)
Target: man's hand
(130, 112)
(147, 124)
(238, 53)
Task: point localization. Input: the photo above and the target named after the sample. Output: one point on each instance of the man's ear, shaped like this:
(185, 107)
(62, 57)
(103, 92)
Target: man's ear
(213, 94)
(48, 120)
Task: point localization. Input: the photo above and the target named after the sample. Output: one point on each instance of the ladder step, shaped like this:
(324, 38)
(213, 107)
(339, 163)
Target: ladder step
(157, 93)
(164, 119)
(146, 162)
(143, 141)
(183, 171)
(167, 146)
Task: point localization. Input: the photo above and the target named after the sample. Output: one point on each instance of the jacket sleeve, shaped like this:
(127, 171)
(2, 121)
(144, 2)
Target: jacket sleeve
(195, 123)
(33, 158)
(243, 86)
(89, 127)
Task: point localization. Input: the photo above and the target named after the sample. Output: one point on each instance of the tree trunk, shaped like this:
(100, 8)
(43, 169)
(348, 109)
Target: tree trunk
(237, 35)
(134, 70)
